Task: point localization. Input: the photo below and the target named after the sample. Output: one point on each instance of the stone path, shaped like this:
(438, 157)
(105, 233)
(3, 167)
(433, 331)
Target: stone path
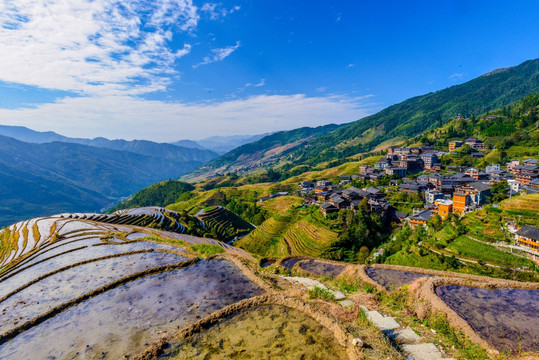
(311, 283)
(404, 338)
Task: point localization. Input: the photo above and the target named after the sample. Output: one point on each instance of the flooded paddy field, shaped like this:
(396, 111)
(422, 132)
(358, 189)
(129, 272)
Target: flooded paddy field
(289, 263)
(322, 268)
(263, 332)
(66, 285)
(393, 279)
(506, 318)
(69, 254)
(122, 321)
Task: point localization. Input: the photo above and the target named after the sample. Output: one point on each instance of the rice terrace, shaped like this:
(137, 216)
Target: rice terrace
(164, 294)
(251, 180)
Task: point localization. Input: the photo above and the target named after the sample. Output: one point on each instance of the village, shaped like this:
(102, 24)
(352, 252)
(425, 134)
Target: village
(443, 191)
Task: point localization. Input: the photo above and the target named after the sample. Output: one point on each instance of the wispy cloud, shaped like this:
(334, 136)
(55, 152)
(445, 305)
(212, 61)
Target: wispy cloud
(261, 83)
(217, 10)
(218, 55)
(128, 117)
(456, 76)
(93, 46)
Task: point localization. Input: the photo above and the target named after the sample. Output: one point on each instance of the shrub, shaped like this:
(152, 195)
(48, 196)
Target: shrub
(319, 293)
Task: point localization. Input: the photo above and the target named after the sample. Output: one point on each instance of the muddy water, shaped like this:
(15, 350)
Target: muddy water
(53, 261)
(265, 332)
(506, 318)
(72, 283)
(289, 263)
(393, 279)
(124, 320)
(322, 269)
(267, 263)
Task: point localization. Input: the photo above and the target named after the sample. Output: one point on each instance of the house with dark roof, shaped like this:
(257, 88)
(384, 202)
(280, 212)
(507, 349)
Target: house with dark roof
(328, 208)
(528, 236)
(409, 188)
(397, 171)
(477, 191)
(475, 143)
(374, 192)
(420, 218)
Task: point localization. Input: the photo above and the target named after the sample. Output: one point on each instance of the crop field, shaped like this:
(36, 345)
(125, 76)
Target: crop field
(465, 247)
(523, 202)
(224, 223)
(286, 234)
(308, 239)
(267, 239)
(75, 276)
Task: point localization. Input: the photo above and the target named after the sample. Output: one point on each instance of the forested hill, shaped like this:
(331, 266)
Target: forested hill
(413, 116)
(398, 122)
(44, 179)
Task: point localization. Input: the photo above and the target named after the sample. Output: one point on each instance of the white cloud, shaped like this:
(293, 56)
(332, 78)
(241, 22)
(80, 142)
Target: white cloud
(218, 55)
(128, 117)
(216, 10)
(456, 76)
(92, 46)
(261, 83)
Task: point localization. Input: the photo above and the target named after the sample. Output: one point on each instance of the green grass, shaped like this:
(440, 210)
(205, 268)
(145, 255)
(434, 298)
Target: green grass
(465, 247)
(165, 240)
(207, 249)
(320, 293)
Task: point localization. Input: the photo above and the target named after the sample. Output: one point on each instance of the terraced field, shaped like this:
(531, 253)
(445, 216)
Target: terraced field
(224, 223)
(80, 277)
(267, 239)
(308, 239)
(288, 234)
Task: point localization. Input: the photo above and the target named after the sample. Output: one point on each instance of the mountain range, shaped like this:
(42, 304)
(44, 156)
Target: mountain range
(44, 173)
(220, 144)
(401, 121)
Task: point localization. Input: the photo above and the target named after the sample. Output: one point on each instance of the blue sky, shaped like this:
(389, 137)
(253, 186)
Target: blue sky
(172, 69)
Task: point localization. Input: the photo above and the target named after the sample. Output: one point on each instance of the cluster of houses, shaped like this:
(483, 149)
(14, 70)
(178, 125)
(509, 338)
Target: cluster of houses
(464, 190)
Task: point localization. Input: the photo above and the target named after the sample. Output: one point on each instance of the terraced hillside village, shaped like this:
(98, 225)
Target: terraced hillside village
(415, 247)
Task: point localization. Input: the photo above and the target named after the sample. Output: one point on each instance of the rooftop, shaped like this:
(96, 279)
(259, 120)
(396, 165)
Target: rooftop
(529, 231)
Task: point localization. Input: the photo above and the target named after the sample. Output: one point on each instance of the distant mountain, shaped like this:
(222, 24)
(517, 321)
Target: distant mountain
(27, 135)
(267, 150)
(48, 178)
(224, 144)
(191, 144)
(142, 147)
(407, 119)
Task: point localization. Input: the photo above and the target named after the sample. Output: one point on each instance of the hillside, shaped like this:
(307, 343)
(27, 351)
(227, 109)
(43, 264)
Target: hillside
(265, 151)
(42, 179)
(398, 122)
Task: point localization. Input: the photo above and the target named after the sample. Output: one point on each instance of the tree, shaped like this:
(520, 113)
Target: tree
(363, 255)
(499, 191)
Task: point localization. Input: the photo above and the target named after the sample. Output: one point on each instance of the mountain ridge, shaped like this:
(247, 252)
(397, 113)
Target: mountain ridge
(406, 119)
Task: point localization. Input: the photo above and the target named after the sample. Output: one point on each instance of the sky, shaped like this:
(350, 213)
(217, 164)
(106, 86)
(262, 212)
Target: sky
(166, 70)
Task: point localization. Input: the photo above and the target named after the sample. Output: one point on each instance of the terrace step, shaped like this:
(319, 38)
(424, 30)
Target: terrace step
(346, 303)
(427, 351)
(403, 336)
(382, 322)
(311, 283)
